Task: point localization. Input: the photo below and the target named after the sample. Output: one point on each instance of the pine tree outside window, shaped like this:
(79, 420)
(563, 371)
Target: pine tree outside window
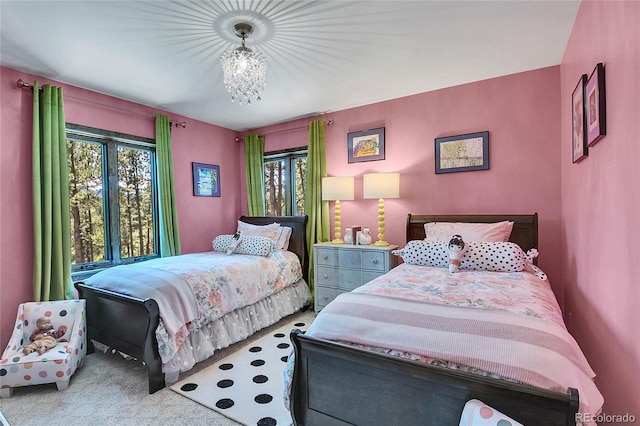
(284, 182)
(113, 198)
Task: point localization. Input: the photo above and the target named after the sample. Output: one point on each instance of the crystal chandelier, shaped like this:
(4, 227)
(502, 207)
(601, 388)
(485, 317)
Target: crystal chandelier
(244, 69)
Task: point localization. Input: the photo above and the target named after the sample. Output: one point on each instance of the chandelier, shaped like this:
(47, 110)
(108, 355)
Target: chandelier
(244, 69)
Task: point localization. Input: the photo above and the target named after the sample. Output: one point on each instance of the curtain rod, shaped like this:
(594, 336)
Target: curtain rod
(328, 122)
(24, 85)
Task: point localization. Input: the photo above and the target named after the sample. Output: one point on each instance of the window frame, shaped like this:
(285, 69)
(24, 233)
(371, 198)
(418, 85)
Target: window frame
(289, 156)
(110, 141)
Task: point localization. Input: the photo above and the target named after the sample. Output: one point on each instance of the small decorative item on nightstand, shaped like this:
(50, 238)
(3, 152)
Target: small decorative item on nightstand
(364, 237)
(348, 236)
(355, 231)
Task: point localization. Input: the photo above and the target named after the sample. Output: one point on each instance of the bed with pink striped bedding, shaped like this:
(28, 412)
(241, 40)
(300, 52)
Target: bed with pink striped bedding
(503, 324)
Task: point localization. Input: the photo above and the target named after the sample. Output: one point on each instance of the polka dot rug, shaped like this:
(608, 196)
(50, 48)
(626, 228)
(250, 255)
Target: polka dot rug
(247, 386)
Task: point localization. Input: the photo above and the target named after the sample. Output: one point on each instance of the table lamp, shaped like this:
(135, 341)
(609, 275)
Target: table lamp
(381, 186)
(337, 188)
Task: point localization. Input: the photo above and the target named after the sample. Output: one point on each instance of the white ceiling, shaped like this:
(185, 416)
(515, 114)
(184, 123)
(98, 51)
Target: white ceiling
(322, 56)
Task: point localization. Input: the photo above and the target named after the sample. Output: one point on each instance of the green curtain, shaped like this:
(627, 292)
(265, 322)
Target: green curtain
(314, 207)
(51, 216)
(254, 166)
(168, 214)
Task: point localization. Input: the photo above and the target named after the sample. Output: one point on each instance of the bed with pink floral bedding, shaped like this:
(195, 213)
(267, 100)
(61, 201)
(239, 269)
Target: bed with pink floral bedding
(174, 312)
(414, 345)
(201, 288)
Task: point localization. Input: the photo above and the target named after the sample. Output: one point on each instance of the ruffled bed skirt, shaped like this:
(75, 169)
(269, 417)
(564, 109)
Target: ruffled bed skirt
(236, 326)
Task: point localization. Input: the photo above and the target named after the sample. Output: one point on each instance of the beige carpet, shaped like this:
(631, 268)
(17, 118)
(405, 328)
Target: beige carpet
(109, 390)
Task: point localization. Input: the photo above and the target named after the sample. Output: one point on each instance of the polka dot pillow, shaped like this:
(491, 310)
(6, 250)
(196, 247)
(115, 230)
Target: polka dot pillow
(249, 244)
(477, 413)
(497, 257)
(425, 253)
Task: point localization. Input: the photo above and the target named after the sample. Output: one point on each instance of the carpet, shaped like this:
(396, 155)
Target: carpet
(247, 386)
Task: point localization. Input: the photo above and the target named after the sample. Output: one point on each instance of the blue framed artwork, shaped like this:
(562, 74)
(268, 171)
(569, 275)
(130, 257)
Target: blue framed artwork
(367, 145)
(462, 153)
(206, 180)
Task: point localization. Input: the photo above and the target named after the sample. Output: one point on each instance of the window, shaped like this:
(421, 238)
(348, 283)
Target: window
(285, 173)
(113, 199)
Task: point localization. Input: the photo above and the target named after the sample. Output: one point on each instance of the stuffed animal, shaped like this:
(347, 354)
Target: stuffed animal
(457, 247)
(44, 337)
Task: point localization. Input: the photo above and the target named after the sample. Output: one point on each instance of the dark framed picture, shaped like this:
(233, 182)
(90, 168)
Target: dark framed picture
(579, 138)
(206, 180)
(462, 153)
(595, 106)
(367, 145)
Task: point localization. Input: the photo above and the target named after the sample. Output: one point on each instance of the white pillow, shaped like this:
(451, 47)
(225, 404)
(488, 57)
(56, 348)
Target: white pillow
(280, 235)
(483, 232)
(249, 244)
(284, 236)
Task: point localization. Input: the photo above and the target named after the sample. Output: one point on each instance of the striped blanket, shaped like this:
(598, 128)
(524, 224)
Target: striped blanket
(518, 347)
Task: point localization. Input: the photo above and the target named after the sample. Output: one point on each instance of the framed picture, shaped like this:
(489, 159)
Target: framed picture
(462, 153)
(206, 180)
(579, 140)
(367, 145)
(595, 106)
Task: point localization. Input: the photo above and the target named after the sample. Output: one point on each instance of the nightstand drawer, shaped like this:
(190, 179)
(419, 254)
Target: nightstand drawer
(340, 268)
(325, 295)
(374, 260)
(350, 259)
(326, 275)
(349, 279)
(325, 256)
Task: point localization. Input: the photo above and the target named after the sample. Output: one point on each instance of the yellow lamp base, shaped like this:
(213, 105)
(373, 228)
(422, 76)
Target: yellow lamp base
(337, 241)
(381, 243)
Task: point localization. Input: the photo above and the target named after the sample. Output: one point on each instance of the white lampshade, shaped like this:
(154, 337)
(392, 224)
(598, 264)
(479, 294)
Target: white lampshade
(381, 185)
(337, 188)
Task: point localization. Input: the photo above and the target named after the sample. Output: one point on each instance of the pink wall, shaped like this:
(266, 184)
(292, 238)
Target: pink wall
(601, 204)
(200, 218)
(521, 113)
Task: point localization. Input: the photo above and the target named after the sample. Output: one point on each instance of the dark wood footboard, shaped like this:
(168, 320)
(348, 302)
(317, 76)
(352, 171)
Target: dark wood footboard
(336, 384)
(126, 324)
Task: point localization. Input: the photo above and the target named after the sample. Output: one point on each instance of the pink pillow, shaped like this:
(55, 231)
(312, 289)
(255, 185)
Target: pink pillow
(498, 232)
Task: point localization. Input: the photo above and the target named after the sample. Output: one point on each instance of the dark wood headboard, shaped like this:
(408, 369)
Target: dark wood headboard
(525, 226)
(298, 240)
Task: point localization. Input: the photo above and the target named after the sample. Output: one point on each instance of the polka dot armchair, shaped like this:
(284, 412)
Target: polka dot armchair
(56, 365)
